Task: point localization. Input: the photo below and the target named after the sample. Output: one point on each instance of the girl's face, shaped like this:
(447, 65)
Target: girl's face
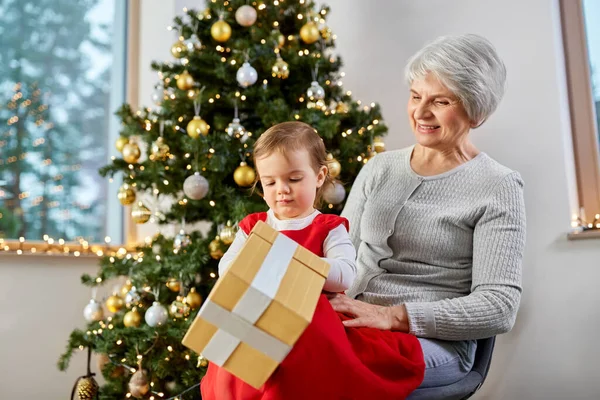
(290, 183)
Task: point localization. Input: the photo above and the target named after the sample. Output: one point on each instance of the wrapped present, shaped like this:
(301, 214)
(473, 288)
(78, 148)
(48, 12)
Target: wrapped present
(260, 306)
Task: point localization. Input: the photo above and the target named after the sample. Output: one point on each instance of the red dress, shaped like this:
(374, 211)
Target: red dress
(329, 361)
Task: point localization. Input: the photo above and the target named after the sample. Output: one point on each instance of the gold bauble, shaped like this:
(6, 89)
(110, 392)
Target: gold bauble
(125, 288)
(220, 31)
(138, 384)
(132, 319)
(244, 175)
(114, 303)
(341, 108)
(197, 127)
(280, 69)
(202, 362)
(378, 144)
(87, 388)
(126, 195)
(227, 234)
(131, 153)
(174, 285)
(140, 214)
(159, 149)
(194, 299)
(309, 33)
(215, 248)
(179, 308)
(185, 81)
(280, 40)
(121, 142)
(335, 168)
(178, 49)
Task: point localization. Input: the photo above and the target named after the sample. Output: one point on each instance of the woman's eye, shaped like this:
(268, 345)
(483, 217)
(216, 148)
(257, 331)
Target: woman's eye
(416, 98)
(441, 103)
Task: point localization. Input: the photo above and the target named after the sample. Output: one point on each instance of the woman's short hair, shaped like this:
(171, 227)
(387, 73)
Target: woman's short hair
(469, 66)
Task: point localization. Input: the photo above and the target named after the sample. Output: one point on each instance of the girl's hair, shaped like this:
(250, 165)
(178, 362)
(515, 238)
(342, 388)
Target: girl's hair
(292, 136)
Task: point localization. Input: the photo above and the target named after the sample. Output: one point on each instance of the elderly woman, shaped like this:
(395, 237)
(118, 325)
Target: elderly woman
(439, 229)
(440, 226)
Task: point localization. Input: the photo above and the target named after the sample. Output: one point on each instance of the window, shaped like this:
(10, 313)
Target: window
(581, 38)
(62, 76)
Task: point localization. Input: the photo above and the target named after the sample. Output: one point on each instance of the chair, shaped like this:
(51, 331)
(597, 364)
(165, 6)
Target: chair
(467, 386)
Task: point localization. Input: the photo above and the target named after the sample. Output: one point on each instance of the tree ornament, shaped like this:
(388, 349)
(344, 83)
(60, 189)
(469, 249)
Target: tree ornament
(193, 43)
(280, 40)
(185, 81)
(132, 319)
(179, 308)
(245, 15)
(194, 299)
(220, 31)
(309, 33)
(159, 149)
(132, 297)
(244, 175)
(138, 384)
(227, 234)
(114, 303)
(101, 361)
(126, 194)
(378, 144)
(246, 75)
(174, 285)
(131, 153)
(334, 166)
(158, 95)
(93, 311)
(178, 49)
(197, 127)
(334, 193)
(237, 130)
(156, 315)
(181, 240)
(280, 69)
(125, 288)
(195, 186)
(315, 91)
(202, 362)
(87, 388)
(121, 142)
(140, 214)
(341, 108)
(215, 248)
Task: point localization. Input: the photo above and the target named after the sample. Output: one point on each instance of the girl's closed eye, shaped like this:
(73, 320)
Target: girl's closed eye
(295, 179)
(269, 183)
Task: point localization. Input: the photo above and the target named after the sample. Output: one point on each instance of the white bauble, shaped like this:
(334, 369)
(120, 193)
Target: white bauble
(193, 43)
(195, 186)
(315, 91)
(334, 193)
(245, 15)
(156, 315)
(93, 311)
(246, 75)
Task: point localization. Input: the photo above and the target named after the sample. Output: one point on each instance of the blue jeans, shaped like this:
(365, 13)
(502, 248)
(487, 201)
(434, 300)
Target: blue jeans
(446, 362)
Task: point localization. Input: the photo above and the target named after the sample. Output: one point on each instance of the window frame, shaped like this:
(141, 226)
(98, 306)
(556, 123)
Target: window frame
(584, 127)
(125, 224)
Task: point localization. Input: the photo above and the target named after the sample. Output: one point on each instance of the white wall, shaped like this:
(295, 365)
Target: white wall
(550, 354)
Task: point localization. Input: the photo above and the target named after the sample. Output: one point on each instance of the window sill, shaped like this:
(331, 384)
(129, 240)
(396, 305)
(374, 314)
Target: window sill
(587, 234)
(64, 249)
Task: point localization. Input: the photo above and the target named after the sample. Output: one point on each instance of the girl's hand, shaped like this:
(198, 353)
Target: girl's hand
(369, 315)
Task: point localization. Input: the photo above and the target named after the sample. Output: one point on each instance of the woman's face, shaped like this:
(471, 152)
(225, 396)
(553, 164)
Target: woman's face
(436, 116)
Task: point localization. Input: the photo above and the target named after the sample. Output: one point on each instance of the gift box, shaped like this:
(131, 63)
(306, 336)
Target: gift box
(258, 309)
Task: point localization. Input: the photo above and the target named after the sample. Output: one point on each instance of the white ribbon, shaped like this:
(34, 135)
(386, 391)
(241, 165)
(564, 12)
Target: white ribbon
(238, 326)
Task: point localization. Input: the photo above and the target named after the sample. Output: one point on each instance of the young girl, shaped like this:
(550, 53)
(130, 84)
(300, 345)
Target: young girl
(328, 360)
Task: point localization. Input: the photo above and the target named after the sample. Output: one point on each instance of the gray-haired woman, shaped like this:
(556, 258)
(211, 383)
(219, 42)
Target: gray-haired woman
(439, 227)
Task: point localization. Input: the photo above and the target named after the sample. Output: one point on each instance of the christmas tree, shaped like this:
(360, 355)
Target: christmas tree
(238, 69)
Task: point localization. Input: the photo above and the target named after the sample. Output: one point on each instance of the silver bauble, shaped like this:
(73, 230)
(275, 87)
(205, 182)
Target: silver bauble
(315, 91)
(195, 186)
(245, 15)
(237, 130)
(156, 315)
(246, 75)
(334, 193)
(93, 311)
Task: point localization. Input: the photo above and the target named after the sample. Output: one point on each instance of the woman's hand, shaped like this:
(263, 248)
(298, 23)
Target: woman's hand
(369, 315)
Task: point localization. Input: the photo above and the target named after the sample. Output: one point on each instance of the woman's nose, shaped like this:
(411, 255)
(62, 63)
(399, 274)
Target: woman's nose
(422, 111)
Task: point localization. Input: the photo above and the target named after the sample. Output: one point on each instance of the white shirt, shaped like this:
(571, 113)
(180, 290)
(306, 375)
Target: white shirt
(337, 248)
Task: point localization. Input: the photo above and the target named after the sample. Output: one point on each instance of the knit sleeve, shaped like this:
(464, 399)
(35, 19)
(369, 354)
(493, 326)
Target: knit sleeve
(355, 204)
(491, 307)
